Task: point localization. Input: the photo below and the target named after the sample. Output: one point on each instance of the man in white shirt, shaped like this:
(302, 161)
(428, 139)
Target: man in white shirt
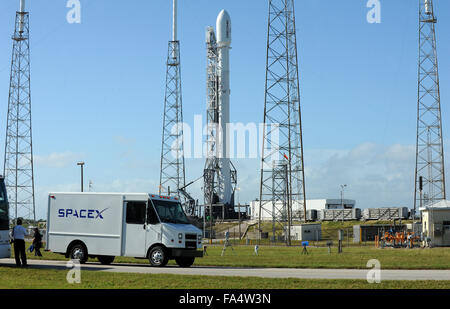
(18, 234)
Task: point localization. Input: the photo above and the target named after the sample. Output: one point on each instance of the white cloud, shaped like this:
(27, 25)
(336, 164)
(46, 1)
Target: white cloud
(124, 141)
(127, 185)
(57, 159)
(376, 175)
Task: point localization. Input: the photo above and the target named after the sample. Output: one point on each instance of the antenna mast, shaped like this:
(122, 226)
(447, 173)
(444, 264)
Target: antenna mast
(429, 147)
(172, 175)
(18, 160)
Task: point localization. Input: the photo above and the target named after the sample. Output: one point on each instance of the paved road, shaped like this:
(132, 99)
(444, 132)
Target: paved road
(246, 272)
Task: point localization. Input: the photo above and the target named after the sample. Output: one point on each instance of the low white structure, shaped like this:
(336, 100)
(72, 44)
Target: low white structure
(309, 232)
(268, 209)
(436, 223)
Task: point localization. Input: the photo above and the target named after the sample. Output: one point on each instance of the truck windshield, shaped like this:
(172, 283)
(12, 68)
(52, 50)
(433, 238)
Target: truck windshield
(170, 212)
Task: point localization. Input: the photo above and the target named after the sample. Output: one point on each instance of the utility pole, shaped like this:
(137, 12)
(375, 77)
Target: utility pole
(239, 213)
(420, 194)
(342, 200)
(81, 164)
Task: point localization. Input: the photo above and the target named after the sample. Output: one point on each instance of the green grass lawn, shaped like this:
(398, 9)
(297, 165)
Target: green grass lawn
(291, 257)
(354, 256)
(12, 278)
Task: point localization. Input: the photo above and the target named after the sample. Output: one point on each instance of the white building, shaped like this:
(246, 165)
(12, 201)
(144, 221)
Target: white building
(266, 214)
(436, 223)
(311, 232)
(330, 204)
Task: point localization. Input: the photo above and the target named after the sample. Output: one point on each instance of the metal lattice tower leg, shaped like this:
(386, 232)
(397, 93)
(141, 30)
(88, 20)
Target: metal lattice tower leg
(18, 160)
(172, 154)
(280, 191)
(429, 147)
(282, 118)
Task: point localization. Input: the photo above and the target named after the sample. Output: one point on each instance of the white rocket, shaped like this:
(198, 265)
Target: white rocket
(223, 28)
(21, 19)
(428, 7)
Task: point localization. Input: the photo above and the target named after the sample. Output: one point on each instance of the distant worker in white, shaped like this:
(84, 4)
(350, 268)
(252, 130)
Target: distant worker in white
(18, 235)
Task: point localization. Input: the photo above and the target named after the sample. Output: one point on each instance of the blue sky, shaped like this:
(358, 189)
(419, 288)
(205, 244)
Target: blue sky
(98, 90)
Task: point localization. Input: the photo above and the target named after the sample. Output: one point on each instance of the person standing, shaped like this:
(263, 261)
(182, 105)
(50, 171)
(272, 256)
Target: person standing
(37, 242)
(18, 234)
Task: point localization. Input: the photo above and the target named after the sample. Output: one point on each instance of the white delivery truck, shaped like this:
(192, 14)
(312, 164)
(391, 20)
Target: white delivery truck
(106, 225)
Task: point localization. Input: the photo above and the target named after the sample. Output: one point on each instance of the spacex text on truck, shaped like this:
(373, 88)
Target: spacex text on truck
(106, 225)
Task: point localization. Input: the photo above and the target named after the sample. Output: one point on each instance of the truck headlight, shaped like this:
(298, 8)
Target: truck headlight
(199, 237)
(180, 236)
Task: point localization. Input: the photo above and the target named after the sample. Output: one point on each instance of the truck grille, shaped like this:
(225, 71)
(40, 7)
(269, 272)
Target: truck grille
(191, 241)
(191, 237)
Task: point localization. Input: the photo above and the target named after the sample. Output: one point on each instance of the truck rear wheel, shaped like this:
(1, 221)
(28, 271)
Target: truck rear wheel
(158, 257)
(79, 252)
(105, 260)
(185, 261)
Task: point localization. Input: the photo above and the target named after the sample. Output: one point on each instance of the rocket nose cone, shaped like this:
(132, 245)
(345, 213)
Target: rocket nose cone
(223, 14)
(223, 27)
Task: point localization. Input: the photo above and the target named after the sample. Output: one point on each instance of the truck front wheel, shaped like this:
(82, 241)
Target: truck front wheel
(185, 261)
(79, 252)
(158, 257)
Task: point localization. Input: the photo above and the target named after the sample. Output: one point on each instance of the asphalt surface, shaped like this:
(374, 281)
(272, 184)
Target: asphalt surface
(244, 272)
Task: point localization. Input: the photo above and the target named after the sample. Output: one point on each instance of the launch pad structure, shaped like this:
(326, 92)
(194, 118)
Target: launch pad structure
(220, 175)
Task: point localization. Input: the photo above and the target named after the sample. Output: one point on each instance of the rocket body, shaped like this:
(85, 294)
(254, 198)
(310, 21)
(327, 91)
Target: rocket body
(428, 7)
(21, 19)
(223, 28)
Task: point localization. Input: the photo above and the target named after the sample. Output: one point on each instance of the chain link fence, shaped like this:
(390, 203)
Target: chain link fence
(329, 236)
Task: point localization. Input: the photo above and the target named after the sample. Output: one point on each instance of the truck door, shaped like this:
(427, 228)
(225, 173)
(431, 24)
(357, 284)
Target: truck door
(154, 233)
(135, 228)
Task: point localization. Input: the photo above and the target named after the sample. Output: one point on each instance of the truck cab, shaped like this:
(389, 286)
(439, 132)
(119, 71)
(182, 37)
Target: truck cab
(169, 234)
